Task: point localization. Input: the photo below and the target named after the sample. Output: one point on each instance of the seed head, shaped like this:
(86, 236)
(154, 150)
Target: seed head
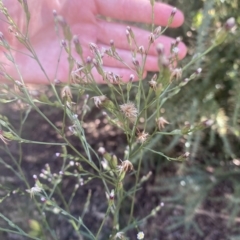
(161, 122)
(126, 166)
(153, 82)
(142, 137)
(176, 73)
(98, 100)
(129, 110)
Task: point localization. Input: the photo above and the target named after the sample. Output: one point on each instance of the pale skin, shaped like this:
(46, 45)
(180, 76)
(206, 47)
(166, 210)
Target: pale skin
(83, 18)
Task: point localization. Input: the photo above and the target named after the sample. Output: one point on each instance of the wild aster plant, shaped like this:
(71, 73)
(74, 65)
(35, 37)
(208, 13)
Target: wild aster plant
(129, 106)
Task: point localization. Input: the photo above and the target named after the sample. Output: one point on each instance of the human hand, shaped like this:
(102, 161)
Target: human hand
(83, 19)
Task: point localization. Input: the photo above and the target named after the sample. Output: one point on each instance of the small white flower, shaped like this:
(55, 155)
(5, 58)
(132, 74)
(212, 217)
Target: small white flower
(99, 100)
(140, 235)
(34, 190)
(119, 235)
(175, 50)
(56, 210)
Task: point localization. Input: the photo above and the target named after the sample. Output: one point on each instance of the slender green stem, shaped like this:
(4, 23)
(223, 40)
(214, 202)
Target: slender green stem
(135, 189)
(103, 221)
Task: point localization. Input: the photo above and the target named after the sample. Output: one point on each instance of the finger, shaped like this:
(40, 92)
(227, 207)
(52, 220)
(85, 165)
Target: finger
(116, 32)
(139, 11)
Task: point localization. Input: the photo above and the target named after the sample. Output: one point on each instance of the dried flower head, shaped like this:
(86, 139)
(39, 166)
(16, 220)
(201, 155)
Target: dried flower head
(126, 166)
(176, 73)
(142, 137)
(98, 100)
(66, 93)
(153, 82)
(119, 235)
(36, 189)
(129, 110)
(161, 122)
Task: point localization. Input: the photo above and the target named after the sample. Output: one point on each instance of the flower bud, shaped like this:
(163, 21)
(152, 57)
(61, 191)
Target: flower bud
(174, 11)
(131, 78)
(230, 23)
(157, 32)
(160, 49)
(151, 38)
(64, 43)
(54, 13)
(66, 93)
(130, 32)
(77, 45)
